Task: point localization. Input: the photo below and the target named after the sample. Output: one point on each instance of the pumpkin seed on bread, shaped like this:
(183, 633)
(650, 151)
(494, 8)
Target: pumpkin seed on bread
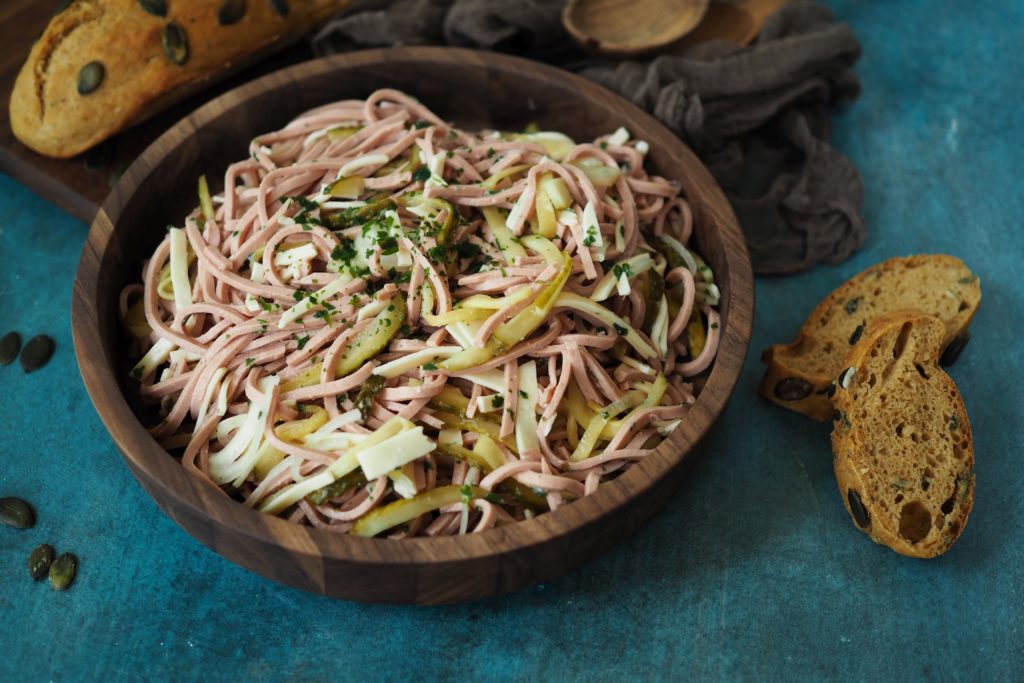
(799, 374)
(104, 65)
(901, 440)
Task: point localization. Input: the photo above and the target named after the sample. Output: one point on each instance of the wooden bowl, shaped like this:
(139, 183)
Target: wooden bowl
(473, 89)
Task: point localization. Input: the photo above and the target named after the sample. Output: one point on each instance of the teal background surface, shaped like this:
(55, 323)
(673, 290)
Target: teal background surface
(752, 572)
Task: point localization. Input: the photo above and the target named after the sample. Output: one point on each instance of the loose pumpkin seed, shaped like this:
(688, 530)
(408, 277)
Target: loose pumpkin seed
(847, 377)
(37, 353)
(9, 347)
(90, 77)
(175, 42)
(17, 513)
(793, 389)
(157, 8)
(857, 509)
(231, 12)
(280, 6)
(62, 571)
(39, 561)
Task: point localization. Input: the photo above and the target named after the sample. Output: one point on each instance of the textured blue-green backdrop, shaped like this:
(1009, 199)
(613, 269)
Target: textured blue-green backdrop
(752, 572)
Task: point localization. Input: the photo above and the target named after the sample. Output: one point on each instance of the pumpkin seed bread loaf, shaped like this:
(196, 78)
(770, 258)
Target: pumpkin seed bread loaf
(800, 374)
(901, 440)
(102, 65)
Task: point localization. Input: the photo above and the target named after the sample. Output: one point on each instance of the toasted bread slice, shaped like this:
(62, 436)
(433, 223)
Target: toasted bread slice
(901, 440)
(799, 374)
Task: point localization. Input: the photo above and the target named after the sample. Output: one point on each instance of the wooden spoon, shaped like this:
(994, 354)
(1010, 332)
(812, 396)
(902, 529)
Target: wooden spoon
(630, 27)
(634, 27)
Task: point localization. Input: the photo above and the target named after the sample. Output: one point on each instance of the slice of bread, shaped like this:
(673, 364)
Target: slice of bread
(799, 374)
(901, 440)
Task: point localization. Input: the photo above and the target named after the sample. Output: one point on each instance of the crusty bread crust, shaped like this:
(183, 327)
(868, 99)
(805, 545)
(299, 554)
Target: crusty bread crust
(799, 374)
(49, 115)
(901, 440)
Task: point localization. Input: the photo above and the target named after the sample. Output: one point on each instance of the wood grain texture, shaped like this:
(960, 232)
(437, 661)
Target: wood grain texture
(628, 27)
(69, 183)
(473, 89)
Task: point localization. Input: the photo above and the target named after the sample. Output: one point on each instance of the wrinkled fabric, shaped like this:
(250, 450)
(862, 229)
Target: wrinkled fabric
(758, 116)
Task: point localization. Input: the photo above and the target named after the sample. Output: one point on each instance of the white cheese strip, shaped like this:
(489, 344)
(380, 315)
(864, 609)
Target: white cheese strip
(642, 146)
(449, 437)
(464, 332)
(436, 166)
(179, 269)
(518, 212)
(394, 452)
(489, 404)
(622, 285)
(306, 305)
(343, 420)
(371, 309)
(492, 379)
(337, 441)
(179, 355)
(526, 416)
(300, 254)
(154, 358)
(619, 137)
(236, 460)
(592, 232)
(363, 162)
(228, 425)
(416, 359)
(339, 204)
(211, 389)
(637, 265)
(402, 482)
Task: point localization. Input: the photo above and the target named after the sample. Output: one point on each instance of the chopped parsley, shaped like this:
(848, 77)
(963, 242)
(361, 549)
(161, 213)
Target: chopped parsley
(467, 250)
(344, 252)
(523, 394)
(430, 367)
(438, 254)
(301, 341)
(591, 236)
(249, 362)
(266, 304)
(620, 329)
(620, 269)
(497, 401)
(422, 174)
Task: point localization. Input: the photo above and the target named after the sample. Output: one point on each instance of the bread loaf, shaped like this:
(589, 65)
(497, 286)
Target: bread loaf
(103, 65)
(901, 440)
(799, 374)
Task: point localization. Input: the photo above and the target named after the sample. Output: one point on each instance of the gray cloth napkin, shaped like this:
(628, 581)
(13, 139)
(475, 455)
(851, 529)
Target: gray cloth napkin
(758, 116)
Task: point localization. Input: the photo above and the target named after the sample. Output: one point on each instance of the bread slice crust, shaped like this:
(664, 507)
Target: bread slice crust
(52, 114)
(799, 374)
(901, 440)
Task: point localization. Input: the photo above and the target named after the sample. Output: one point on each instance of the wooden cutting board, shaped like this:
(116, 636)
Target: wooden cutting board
(80, 185)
